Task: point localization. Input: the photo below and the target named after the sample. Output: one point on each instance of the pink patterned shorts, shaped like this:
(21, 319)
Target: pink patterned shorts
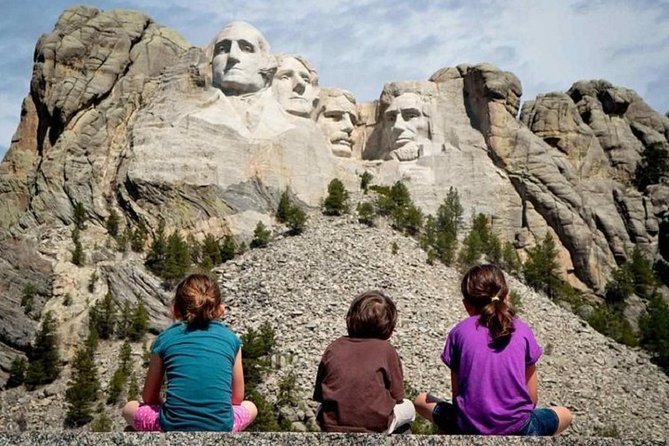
(146, 418)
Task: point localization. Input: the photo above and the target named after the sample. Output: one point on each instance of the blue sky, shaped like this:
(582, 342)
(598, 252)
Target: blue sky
(361, 44)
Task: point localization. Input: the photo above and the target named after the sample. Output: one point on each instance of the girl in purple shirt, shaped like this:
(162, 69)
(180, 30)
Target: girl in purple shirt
(492, 356)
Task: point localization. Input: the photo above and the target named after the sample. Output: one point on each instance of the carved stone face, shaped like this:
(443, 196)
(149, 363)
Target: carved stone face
(293, 87)
(337, 119)
(408, 123)
(240, 54)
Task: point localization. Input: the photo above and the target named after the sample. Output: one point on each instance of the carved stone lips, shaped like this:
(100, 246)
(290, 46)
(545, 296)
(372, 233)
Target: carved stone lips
(342, 141)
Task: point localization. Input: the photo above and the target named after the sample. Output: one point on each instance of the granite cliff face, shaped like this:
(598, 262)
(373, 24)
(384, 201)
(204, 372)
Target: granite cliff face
(125, 115)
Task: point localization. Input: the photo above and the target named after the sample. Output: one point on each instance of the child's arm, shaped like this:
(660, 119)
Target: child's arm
(454, 383)
(238, 380)
(532, 380)
(318, 390)
(154, 381)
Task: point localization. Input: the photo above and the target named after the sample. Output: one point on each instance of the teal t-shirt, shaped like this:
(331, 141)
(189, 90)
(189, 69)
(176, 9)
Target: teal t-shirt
(198, 368)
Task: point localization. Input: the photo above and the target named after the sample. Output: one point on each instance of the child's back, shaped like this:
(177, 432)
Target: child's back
(359, 382)
(491, 380)
(198, 367)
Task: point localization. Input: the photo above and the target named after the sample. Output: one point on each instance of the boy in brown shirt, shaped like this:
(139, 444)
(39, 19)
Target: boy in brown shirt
(360, 384)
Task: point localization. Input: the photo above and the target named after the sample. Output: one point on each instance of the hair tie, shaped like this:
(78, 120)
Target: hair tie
(494, 298)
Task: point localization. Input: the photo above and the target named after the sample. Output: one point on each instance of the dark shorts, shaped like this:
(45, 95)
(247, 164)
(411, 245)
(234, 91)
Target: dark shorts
(542, 422)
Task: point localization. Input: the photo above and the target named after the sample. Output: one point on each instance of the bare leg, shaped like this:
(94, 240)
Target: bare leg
(565, 418)
(424, 408)
(129, 412)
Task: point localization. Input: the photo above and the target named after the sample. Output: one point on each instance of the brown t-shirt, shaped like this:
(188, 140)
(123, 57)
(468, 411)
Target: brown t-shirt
(359, 382)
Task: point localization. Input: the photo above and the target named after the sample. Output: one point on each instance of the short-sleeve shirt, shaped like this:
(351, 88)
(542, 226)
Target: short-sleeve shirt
(359, 382)
(198, 367)
(493, 398)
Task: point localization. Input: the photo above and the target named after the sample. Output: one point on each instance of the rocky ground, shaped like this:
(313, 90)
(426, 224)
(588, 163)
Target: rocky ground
(302, 285)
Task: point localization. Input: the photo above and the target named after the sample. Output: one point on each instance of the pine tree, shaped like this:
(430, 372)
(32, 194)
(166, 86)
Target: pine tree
(112, 223)
(261, 236)
(642, 271)
(366, 214)
(654, 326)
(336, 202)
(653, 166)
(211, 250)
(17, 373)
(79, 216)
(155, 259)
(440, 238)
(284, 208)
(103, 316)
(78, 255)
(541, 269)
(296, 220)
(228, 248)
(133, 388)
(139, 235)
(28, 298)
(177, 259)
(365, 180)
(510, 259)
(82, 389)
(44, 357)
(124, 320)
(139, 324)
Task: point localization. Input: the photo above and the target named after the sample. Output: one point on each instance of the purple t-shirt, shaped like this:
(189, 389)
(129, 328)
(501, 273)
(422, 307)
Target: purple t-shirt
(493, 398)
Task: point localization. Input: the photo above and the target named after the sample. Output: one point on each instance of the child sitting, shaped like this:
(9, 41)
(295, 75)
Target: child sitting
(359, 383)
(492, 356)
(202, 360)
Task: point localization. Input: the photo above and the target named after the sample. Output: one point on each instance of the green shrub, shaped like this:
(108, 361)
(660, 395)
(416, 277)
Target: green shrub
(79, 216)
(228, 248)
(653, 166)
(17, 373)
(654, 327)
(139, 235)
(284, 208)
(44, 357)
(112, 223)
(366, 213)
(103, 317)
(28, 298)
(82, 389)
(261, 236)
(365, 180)
(78, 255)
(613, 325)
(336, 201)
(440, 237)
(541, 269)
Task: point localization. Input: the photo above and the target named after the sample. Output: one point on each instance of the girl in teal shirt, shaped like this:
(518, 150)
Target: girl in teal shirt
(202, 361)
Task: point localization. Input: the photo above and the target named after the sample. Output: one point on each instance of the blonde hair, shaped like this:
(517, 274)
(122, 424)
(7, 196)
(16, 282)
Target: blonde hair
(197, 300)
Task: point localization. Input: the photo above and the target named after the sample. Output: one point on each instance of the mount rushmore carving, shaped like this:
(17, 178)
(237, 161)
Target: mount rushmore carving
(125, 115)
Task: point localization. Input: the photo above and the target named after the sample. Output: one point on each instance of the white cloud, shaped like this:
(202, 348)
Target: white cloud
(360, 45)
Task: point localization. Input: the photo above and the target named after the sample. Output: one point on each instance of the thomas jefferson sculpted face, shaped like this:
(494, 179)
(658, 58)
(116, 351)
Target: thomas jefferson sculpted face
(241, 60)
(295, 85)
(336, 118)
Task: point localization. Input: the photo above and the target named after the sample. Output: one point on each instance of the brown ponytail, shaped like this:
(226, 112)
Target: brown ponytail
(484, 288)
(197, 300)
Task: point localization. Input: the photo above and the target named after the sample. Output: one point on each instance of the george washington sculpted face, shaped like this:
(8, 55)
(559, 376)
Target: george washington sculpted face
(241, 60)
